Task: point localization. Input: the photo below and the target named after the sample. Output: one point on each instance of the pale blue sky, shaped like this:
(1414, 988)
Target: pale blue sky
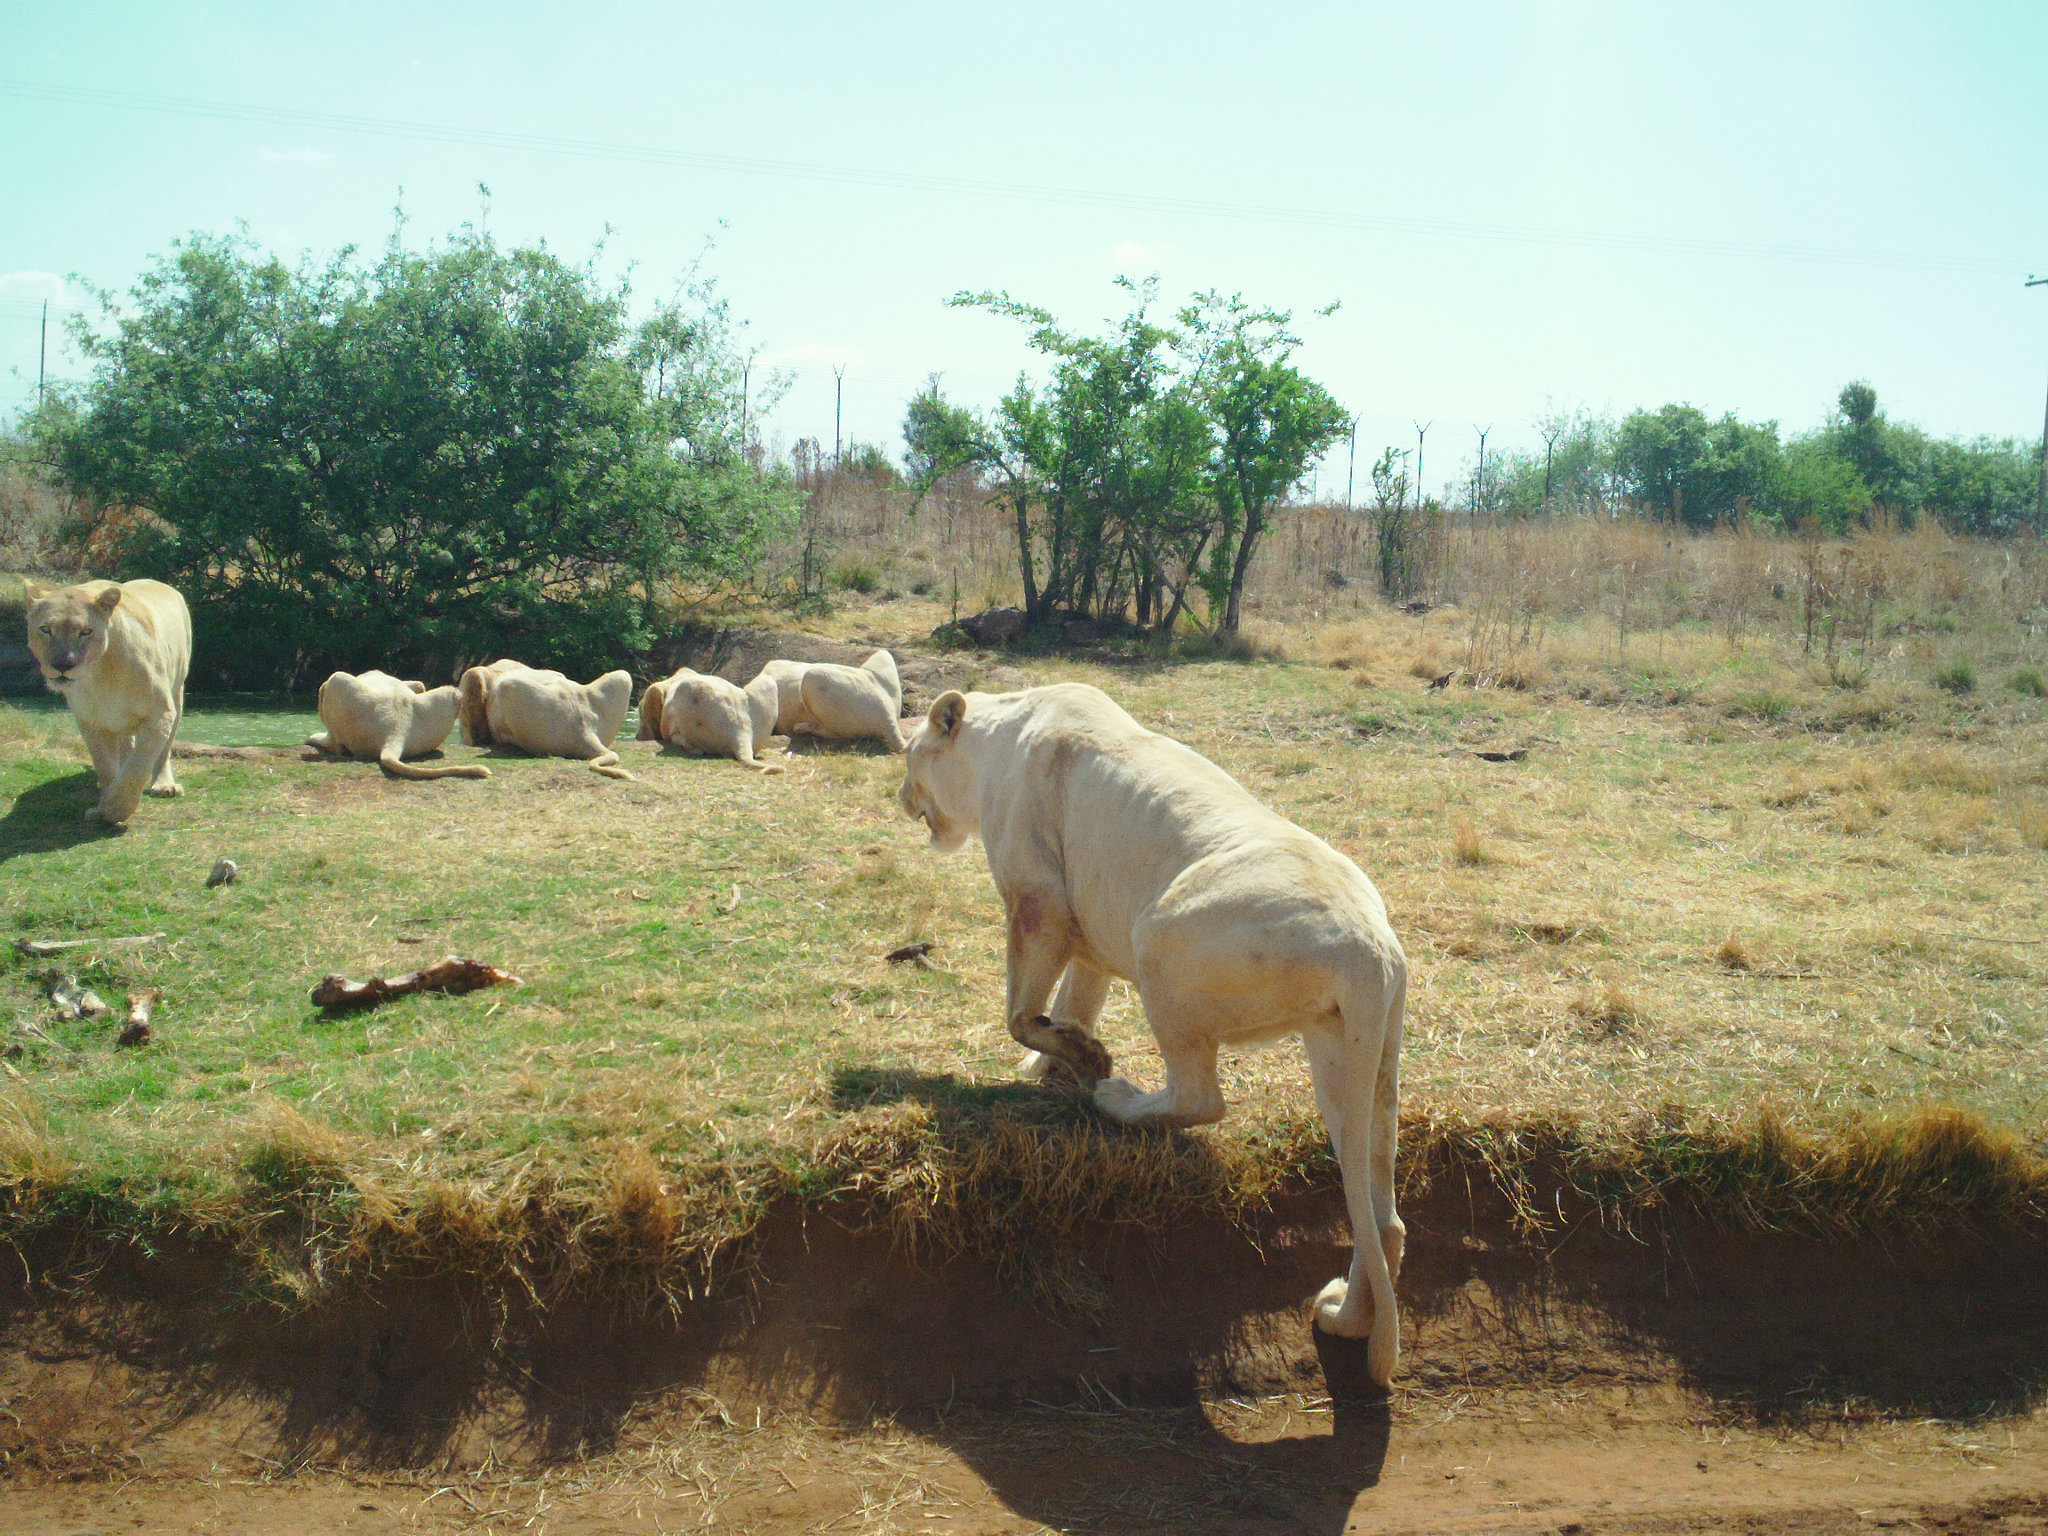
(1742, 205)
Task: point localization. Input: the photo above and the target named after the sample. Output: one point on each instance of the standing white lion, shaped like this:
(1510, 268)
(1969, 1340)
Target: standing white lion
(702, 713)
(375, 715)
(1119, 852)
(117, 652)
(839, 703)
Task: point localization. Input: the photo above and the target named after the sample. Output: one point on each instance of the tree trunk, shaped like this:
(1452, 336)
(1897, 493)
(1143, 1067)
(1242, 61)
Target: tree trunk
(1247, 542)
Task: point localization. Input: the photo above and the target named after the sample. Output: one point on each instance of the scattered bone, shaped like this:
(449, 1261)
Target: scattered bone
(909, 952)
(223, 873)
(72, 1000)
(453, 975)
(39, 949)
(140, 1006)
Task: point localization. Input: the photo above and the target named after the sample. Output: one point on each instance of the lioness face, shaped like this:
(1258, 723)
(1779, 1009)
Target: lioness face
(938, 781)
(68, 633)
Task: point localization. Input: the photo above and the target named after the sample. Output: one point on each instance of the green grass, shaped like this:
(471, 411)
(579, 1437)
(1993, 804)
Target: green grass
(705, 1010)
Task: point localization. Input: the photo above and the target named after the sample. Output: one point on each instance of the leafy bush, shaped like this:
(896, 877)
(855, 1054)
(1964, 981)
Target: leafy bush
(856, 578)
(1957, 677)
(2028, 683)
(408, 463)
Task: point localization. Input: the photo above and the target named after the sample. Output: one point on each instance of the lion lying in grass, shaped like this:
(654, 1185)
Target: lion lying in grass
(1119, 852)
(117, 653)
(837, 702)
(701, 713)
(375, 715)
(547, 714)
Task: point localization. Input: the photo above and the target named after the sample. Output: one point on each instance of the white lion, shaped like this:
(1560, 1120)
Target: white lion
(546, 713)
(375, 715)
(838, 702)
(701, 713)
(117, 652)
(1119, 852)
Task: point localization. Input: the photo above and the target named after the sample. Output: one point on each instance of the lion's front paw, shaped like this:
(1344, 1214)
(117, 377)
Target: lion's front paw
(167, 791)
(1334, 1314)
(1092, 1055)
(1080, 1054)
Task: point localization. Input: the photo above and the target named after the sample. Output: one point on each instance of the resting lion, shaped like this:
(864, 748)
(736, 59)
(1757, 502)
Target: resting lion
(707, 714)
(117, 652)
(838, 702)
(547, 714)
(375, 715)
(1118, 852)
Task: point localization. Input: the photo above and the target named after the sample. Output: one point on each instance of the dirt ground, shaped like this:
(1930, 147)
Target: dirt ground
(1589, 1381)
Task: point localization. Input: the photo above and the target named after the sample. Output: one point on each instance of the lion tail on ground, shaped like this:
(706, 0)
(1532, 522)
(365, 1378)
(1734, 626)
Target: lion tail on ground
(399, 768)
(604, 763)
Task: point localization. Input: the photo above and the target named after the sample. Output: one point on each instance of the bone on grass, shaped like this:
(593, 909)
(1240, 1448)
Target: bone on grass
(135, 1028)
(73, 1001)
(40, 949)
(453, 975)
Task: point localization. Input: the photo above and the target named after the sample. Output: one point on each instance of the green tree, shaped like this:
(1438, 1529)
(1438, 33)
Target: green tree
(1270, 421)
(406, 463)
(1680, 464)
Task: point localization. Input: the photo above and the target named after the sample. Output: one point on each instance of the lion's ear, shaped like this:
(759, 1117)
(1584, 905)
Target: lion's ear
(415, 685)
(948, 710)
(35, 591)
(108, 600)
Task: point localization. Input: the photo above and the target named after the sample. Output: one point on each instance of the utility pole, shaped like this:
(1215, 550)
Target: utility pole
(1421, 428)
(1479, 485)
(42, 353)
(1351, 474)
(2041, 485)
(838, 402)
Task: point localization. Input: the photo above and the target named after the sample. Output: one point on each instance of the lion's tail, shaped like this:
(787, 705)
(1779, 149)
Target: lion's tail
(604, 763)
(399, 768)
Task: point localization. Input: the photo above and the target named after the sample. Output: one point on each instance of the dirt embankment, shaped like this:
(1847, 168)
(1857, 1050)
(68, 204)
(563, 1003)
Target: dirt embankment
(1590, 1378)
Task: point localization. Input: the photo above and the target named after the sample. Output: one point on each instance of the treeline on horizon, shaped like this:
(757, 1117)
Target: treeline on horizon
(425, 456)
(1680, 464)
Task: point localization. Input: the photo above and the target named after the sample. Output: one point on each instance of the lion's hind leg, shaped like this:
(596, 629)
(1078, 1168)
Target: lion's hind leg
(1183, 1024)
(1355, 1063)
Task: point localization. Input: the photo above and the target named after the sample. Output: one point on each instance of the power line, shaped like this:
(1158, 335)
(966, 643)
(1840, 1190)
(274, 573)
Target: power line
(598, 149)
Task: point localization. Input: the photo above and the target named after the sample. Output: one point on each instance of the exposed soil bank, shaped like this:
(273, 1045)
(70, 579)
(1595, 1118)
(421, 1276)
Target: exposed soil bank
(838, 1324)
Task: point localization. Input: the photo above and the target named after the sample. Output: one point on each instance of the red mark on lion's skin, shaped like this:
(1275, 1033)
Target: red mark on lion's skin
(1027, 916)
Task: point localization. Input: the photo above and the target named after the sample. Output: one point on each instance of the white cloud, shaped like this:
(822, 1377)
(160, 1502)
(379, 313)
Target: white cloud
(1130, 253)
(294, 156)
(830, 355)
(33, 287)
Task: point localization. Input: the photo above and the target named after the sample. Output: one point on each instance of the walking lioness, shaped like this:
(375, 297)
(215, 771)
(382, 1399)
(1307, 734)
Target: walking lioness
(117, 652)
(1119, 852)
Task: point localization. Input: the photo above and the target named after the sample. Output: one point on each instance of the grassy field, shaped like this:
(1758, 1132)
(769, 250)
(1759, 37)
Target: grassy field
(1698, 947)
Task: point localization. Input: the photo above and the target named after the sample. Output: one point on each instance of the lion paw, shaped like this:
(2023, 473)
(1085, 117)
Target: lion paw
(1075, 1049)
(1115, 1095)
(167, 791)
(1335, 1317)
